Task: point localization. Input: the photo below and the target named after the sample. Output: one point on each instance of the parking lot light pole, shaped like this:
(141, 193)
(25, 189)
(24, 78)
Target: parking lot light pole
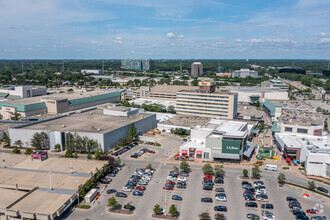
(3, 160)
(165, 202)
(50, 180)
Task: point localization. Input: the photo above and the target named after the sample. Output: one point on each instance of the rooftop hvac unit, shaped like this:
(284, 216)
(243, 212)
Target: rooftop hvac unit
(99, 129)
(63, 126)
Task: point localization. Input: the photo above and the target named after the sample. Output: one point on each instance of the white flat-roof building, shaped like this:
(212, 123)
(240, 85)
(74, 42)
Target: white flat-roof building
(243, 73)
(314, 151)
(218, 140)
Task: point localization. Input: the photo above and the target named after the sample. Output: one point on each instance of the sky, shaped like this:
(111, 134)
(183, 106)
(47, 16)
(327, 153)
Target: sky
(165, 29)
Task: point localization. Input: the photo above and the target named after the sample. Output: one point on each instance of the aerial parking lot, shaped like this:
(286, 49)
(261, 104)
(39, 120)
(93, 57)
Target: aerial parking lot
(188, 195)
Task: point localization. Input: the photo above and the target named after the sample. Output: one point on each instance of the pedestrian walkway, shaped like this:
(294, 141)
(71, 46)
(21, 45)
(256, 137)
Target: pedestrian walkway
(47, 171)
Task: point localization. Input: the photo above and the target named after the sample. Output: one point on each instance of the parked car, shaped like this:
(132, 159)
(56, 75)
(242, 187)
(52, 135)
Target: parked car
(221, 197)
(218, 180)
(109, 191)
(140, 187)
(182, 179)
(207, 176)
(207, 187)
(181, 186)
(171, 178)
(168, 187)
(126, 189)
(219, 190)
(267, 206)
(289, 198)
(184, 174)
(250, 215)
(176, 197)
(321, 189)
(302, 217)
(170, 182)
(251, 204)
(151, 151)
(137, 193)
(220, 208)
(129, 207)
(312, 211)
(135, 155)
(318, 218)
(207, 199)
(121, 194)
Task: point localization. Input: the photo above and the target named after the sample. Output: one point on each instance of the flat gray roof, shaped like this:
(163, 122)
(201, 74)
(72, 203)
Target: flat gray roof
(89, 121)
(57, 96)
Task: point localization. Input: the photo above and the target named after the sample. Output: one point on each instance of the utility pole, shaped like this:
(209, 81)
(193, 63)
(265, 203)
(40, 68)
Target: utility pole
(180, 67)
(165, 202)
(70, 166)
(3, 160)
(50, 180)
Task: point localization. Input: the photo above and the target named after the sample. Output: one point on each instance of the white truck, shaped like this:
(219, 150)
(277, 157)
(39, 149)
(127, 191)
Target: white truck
(271, 167)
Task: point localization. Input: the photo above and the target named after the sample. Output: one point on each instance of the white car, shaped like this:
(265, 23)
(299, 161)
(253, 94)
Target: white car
(183, 179)
(126, 189)
(221, 198)
(171, 178)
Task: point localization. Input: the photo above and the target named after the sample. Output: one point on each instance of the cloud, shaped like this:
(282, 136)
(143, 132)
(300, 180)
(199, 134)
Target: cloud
(255, 40)
(170, 35)
(238, 40)
(325, 40)
(119, 40)
(322, 34)
(180, 37)
(94, 42)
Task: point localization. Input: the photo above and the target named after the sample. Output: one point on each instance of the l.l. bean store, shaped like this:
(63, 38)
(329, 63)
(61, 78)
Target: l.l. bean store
(219, 140)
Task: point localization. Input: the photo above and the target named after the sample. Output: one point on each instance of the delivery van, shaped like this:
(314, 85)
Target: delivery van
(271, 167)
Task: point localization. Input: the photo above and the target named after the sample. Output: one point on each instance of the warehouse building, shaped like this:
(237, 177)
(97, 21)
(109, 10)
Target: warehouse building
(218, 140)
(314, 151)
(107, 125)
(57, 103)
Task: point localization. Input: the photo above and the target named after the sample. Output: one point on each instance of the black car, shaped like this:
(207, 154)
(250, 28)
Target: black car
(220, 208)
(112, 174)
(121, 194)
(289, 198)
(251, 204)
(135, 155)
(298, 212)
(250, 215)
(302, 217)
(181, 186)
(267, 206)
(219, 190)
(184, 174)
(207, 187)
(321, 189)
(130, 207)
(207, 199)
(249, 198)
(246, 183)
(111, 191)
(218, 180)
(297, 204)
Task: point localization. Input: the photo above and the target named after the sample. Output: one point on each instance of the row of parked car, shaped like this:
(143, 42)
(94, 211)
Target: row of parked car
(124, 149)
(297, 210)
(141, 152)
(181, 180)
(257, 192)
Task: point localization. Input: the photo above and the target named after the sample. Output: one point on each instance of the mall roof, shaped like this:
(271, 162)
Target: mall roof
(269, 106)
(89, 121)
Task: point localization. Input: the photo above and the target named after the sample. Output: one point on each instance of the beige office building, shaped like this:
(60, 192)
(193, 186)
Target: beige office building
(206, 102)
(196, 69)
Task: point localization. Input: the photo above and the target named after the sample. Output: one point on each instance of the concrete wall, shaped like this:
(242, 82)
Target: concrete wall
(25, 135)
(310, 130)
(39, 91)
(143, 125)
(34, 112)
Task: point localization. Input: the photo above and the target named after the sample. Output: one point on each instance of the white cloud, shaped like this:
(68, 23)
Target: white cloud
(325, 40)
(322, 34)
(94, 42)
(172, 44)
(180, 37)
(238, 40)
(219, 43)
(119, 40)
(170, 35)
(255, 40)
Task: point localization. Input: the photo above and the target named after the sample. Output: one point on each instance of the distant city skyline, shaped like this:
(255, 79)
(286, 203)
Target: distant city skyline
(165, 29)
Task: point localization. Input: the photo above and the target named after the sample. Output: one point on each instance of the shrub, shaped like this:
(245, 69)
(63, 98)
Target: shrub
(28, 151)
(245, 172)
(16, 150)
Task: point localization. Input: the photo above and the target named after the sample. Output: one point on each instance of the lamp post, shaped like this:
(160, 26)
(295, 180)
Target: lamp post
(3, 160)
(50, 180)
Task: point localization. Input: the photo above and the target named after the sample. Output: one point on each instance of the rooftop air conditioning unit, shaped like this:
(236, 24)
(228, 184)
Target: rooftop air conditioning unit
(99, 129)
(63, 126)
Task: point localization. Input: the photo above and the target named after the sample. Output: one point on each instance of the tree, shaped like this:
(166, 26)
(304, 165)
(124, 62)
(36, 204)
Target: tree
(57, 147)
(128, 206)
(311, 185)
(149, 166)
(204, 216)
(325, 127)
(245, 172)
(28, 151)
(281, 178)
(184, 166)
(132, 135)
(175, 168)
(40, 140)
(170, 109)
(118, 161)
(261, 127)
(89, 156)
(97, 154)
(16, 150)
(15, 116)
(218, 170)
(157, 209)
(256, 171)
(18, 143)
(112, 202)
(173, 210)
(219, 216)
(5, 139)
(68, 153)
(208, 169)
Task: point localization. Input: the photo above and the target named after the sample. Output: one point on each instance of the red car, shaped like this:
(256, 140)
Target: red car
(207, 176)
(168, 188)
(170, 182)
(151, 151)
(312, 211)
(140, 187)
